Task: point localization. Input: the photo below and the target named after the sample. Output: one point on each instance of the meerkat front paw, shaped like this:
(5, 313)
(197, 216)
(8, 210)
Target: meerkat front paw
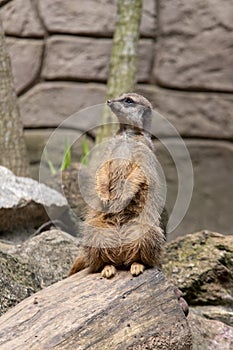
(108, 271)
(136, 269)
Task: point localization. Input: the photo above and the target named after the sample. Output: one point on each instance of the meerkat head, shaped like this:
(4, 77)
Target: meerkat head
(133, 110)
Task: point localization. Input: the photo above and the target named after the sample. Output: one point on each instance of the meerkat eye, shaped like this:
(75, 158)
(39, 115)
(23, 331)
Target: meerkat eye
(128, 100)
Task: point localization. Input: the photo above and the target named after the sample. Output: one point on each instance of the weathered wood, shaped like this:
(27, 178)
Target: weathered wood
(85, 311)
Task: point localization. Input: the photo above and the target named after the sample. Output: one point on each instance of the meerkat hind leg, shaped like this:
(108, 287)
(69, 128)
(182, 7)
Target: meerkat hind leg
(108, 271)
(136, 268)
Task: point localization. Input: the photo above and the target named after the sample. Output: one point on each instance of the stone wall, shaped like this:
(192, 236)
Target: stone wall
(60, 52)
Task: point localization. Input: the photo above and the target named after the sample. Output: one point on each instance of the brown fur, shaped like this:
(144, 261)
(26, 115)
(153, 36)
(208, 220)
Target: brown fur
(125, 230)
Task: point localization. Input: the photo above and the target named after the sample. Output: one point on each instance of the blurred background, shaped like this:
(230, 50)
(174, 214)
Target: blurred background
(60, 54)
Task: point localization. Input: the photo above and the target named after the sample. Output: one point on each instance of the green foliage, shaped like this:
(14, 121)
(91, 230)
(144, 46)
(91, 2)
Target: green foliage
(66, 157)
(85, 151)
(66, 160)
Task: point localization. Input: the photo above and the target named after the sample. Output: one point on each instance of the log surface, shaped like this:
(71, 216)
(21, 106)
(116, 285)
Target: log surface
(85, 311)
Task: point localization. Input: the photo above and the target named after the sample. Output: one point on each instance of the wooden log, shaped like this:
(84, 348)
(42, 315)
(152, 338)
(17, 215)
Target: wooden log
(86, 311)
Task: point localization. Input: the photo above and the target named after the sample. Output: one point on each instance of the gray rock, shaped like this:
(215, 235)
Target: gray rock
(38, 262)
(26, 58)
(20, 18)
(49, 255)
(195, 45)
(26, 204)
(20, 190)
(84, 17)
(209, 334)
(201, 265)
(5, 245)
(88, 58)
(210, 206)
(17, 281)
(195, 114)
(68, 184)
(49, 104)
(215, 312)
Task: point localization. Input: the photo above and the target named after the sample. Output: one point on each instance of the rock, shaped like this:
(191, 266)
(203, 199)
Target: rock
(201, 265)
(76, 58)
(215, 312)
(20, 18)
(88, 58)
(26, 58)
(86, 311)
(195, 45)
(83, 18)
(149, 19)
(209, 334)
(5, 245)
(210, 205)
(38, 262)
(194, 114)
(36, 141)
(212, 163)
(68, 184)
(49, 255)
(17, 281)
(26, 204)
(49, 104)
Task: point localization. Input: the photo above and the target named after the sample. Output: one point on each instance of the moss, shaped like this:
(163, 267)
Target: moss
(201, 265)
(17, 281)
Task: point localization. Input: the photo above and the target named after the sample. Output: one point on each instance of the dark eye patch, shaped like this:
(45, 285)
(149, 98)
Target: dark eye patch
(128, 100)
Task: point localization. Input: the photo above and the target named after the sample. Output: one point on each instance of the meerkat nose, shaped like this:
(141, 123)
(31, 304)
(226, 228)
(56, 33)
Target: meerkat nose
(108, 102)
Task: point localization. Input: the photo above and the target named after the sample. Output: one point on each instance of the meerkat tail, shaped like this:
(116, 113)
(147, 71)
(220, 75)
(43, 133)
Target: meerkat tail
(78, 265)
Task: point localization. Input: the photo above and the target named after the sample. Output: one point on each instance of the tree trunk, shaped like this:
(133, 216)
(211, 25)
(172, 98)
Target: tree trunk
(89, 312)
(12, 144)
(123, 62)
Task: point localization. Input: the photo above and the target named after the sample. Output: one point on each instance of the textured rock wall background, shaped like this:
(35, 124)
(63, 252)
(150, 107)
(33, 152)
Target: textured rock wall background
(60, 53)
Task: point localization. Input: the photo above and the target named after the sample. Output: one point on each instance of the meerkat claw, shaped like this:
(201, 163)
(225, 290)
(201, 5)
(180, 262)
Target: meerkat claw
(136, 269)
(108, 271)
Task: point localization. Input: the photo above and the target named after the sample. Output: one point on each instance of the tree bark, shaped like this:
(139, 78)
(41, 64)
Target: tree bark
(123, 61)
(12, 144)
(85, 311)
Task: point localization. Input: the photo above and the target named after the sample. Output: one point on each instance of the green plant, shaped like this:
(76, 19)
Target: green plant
(85, 151)
(66, 160)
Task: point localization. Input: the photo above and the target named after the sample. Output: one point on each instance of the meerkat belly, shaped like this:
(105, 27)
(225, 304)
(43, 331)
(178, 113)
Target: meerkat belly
(122, 187)
(124, 245)
(123, 255)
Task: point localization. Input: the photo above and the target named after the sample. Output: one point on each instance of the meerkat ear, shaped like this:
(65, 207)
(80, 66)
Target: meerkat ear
(147, 118)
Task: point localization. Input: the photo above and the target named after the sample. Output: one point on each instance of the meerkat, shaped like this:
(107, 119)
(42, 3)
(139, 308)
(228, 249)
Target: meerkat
(123, 230)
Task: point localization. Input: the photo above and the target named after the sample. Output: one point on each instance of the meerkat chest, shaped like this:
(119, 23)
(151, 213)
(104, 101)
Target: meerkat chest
(122, 188)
